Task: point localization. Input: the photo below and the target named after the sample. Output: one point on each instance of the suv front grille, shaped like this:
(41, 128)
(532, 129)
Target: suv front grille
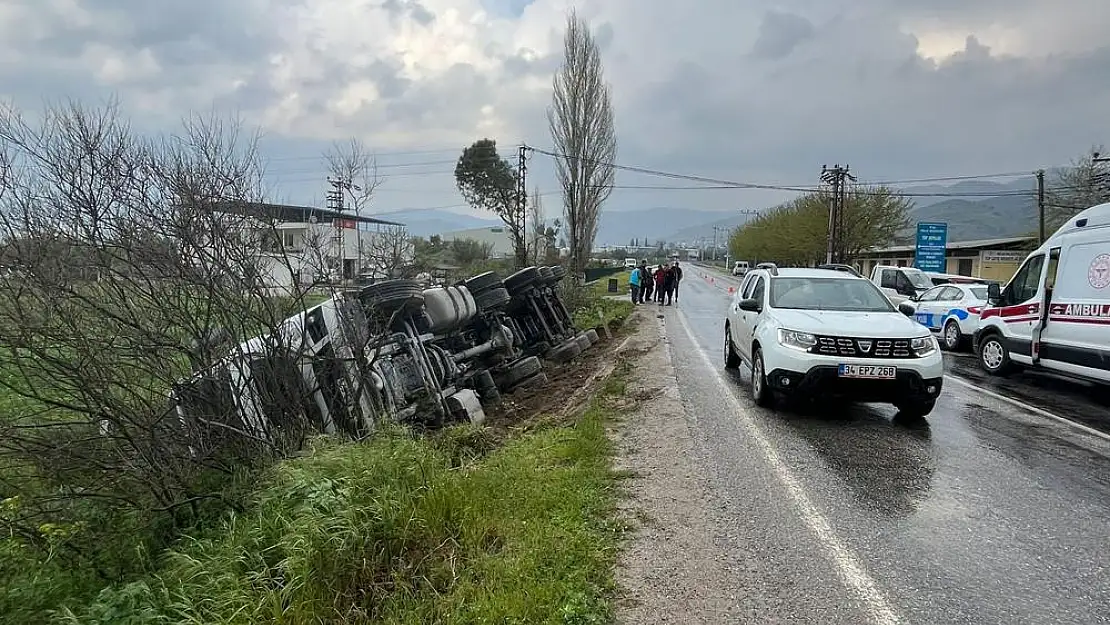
(862, 347)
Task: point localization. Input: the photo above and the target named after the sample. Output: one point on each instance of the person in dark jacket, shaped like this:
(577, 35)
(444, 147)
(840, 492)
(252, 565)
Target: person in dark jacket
(668, 286)
(647, 282)
(677, 279)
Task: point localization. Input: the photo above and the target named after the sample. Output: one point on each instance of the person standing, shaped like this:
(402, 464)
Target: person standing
(647, 282)
(659, 277)
(677, 279)
(668, 285)
(634, 285)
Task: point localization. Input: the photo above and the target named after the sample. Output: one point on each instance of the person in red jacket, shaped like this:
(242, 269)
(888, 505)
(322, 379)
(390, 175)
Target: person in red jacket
(660, 277)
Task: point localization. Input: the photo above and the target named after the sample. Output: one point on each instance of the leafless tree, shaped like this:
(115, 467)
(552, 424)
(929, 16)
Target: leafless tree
(353, 176)
(389, 252)
(1085, 183)
(136, 269)
(581, 122)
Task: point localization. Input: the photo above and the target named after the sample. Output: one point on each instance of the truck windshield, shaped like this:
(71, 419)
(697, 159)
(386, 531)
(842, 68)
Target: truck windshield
(918, 279)
(847, 294)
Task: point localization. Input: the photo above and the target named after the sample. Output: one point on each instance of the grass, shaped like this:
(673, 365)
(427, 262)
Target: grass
(448, 529)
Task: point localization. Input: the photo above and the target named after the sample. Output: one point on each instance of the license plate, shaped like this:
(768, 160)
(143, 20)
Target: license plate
(872, 372)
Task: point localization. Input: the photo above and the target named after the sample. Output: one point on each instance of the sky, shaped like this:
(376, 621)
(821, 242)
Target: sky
(751, 91)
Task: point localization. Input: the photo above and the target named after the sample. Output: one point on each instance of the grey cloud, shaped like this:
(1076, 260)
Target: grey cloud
(400, 9)
(780, 33)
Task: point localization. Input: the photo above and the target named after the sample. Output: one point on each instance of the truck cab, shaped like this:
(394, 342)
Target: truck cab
(901, 283)
(740, 268)
(630, 263)
(1054, 314)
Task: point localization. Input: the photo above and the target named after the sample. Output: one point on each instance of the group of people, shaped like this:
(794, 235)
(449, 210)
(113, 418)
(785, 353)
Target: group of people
(658, 285)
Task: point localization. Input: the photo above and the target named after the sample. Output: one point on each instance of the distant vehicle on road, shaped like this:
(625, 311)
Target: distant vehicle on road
(840, 267)
(740, 268)
(630, 263)
(950, 310)
(1054, 314)
(820, 333)
(900, 283)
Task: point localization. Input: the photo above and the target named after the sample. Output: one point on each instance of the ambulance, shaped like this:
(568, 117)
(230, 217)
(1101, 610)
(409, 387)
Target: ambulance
(1054, 314)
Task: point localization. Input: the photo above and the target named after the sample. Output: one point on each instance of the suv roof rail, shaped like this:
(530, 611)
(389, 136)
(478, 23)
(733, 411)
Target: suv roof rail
(841, 267)
(771, 267)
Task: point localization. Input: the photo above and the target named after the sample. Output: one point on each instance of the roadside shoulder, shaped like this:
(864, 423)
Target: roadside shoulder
(671, 569)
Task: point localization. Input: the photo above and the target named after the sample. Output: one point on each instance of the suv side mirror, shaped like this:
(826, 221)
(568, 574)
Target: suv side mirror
(750, 305)
(906, 309)
(994, 293)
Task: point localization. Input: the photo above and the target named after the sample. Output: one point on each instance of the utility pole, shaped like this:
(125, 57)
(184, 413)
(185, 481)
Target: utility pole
(837, 178)
(1040, 205)
(522, 195)
(336, 202)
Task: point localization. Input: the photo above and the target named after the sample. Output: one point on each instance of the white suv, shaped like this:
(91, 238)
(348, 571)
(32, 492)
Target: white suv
(820, 333)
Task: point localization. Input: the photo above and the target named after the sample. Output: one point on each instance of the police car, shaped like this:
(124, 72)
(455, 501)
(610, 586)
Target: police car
(950, 310)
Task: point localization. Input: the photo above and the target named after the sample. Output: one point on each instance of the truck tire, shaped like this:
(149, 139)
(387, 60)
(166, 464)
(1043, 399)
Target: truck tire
(564, 352)
(522, 280)
(491, 299)
(519, 370)
(482, 282)
(583, 341)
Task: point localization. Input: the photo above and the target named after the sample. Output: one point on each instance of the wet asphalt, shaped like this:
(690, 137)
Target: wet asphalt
(990, 513)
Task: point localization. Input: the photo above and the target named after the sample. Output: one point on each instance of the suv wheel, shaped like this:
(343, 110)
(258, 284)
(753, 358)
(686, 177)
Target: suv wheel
(762, 395)
(732, 359)
(993, 356)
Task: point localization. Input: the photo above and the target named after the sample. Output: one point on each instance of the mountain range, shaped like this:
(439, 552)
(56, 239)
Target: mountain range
(973, 209)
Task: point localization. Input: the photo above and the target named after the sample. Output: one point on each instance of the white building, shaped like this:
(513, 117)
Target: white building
(303, 245)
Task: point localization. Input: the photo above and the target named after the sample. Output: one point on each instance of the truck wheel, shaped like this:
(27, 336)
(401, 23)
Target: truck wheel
(564, 352)
(994, 358)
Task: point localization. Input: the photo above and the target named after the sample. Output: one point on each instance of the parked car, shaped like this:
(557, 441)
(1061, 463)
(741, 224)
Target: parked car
(950, 310)
(819, 333)
(1054, 314)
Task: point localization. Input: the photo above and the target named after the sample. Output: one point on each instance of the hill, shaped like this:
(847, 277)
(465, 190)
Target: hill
(429, 221)
(618, 227)
(1006, 216)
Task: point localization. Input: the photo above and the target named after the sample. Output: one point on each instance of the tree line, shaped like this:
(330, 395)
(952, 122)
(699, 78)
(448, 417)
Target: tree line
(795, 233)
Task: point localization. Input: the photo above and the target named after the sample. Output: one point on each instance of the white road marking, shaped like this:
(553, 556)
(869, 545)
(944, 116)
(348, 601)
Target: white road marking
(847, 564)
(1024, 406)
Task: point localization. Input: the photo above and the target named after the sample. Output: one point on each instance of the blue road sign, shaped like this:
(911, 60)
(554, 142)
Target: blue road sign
(932, 242)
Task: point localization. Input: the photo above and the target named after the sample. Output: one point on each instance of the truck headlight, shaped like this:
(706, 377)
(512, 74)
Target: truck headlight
(796, 340)
(923, 345)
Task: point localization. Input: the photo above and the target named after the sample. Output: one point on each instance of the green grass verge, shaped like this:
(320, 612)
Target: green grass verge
(448, 529)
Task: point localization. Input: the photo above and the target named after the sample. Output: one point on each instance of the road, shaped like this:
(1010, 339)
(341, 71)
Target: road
(998, 511)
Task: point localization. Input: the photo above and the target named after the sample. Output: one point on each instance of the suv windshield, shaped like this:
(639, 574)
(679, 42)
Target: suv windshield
(849, 294)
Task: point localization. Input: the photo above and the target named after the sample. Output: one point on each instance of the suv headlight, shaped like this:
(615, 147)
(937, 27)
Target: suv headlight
(796, 340)
(923, 345)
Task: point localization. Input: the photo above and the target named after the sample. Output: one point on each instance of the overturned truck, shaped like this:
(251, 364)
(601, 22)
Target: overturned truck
(390, 351)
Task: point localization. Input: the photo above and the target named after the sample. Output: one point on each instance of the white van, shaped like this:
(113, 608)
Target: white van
(1054, 314)
(740, 268)
(630, 263)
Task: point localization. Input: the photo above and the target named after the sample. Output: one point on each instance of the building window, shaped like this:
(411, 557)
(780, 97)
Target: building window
(964, 266)
(902, 262)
